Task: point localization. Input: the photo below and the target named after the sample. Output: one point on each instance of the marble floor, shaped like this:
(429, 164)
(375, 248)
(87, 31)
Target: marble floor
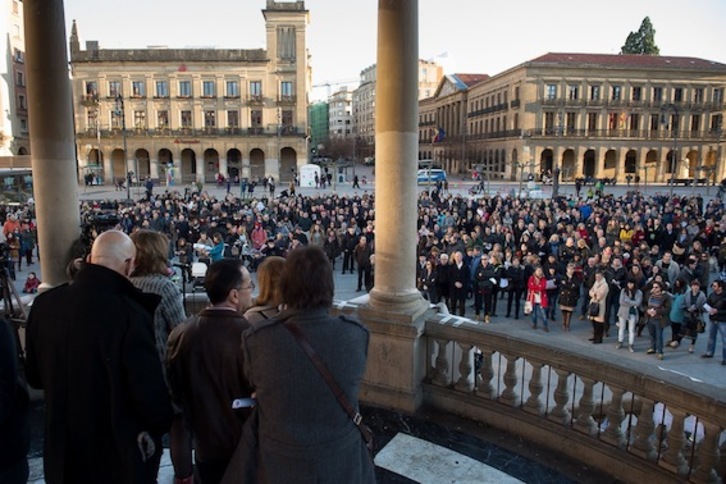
(427, 448)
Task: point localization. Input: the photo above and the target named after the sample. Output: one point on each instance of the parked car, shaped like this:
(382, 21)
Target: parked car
(431, 175)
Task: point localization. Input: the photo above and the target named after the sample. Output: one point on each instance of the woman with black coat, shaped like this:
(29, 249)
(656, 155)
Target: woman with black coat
(515, 279)
(569, 295)
(486, 281)
(429, 279)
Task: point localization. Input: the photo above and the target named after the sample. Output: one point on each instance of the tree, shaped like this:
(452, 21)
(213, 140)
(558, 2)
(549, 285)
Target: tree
(339, 147)
(641, 42)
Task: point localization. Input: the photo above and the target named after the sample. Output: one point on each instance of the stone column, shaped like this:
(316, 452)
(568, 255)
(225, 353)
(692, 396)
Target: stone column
(396, 156)
(223, 169)
(155, 173)
(52, 142)
(394, 313)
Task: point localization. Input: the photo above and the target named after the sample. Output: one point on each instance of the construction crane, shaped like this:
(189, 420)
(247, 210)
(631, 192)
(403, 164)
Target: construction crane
(340, 82)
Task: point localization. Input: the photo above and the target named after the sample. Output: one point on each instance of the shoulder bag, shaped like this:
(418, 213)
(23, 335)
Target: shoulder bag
(356, 417)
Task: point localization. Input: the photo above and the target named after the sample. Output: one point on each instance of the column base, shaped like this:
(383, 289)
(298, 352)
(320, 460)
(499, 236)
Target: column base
(396, 357)
(407, 302)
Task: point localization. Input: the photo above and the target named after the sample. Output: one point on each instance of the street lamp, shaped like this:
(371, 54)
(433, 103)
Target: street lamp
(674, 128)
(556, 165)
(121, 112)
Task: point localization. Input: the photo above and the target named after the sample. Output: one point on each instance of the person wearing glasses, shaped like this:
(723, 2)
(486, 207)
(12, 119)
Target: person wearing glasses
(485, 281)
(204, 367)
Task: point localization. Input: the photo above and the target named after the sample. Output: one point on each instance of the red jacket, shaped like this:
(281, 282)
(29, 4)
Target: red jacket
(537, 286)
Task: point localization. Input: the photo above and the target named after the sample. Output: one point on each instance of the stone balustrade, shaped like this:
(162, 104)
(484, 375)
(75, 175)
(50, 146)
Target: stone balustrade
(633, 421)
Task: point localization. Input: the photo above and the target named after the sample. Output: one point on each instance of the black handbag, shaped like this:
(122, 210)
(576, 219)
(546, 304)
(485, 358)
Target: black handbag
(593, 309)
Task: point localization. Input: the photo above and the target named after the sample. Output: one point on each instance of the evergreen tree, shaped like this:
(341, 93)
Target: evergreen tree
(642, 41)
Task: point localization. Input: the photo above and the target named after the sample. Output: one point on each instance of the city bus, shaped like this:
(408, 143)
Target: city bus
(16, 185)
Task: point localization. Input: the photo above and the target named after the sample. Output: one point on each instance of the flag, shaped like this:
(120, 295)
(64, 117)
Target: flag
(440, 135)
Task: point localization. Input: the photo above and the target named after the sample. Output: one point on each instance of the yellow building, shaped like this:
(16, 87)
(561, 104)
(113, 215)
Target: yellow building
(364, 102)
(586, 115)
(189, 114)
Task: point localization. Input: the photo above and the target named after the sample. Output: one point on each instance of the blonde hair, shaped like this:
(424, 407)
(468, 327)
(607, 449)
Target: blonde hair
(268, 278)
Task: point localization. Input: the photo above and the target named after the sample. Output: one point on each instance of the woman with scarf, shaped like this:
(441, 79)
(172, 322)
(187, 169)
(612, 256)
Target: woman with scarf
(598, 296)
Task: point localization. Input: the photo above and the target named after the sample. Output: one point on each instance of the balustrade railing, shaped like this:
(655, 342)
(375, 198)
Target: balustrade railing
(629, 420)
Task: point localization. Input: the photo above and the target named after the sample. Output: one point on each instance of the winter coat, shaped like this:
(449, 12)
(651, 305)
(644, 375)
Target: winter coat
(570, 291)
(599, 293)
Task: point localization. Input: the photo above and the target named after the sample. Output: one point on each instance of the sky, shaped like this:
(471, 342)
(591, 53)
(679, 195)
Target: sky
(465, 36)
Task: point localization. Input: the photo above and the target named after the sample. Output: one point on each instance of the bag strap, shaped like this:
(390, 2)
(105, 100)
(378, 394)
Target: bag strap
(328, 377)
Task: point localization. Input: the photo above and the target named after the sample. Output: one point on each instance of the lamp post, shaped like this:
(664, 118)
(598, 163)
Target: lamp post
(719, 132)
(674, 127)
(121, 112)
(556, 162)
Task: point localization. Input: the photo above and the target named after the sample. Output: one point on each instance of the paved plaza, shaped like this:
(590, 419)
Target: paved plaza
(396, 461)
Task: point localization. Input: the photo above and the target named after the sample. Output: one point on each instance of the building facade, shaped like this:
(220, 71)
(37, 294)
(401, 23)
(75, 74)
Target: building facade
(364, 102)
(340, 113)
(14, 129)
(319, 124)
(184, 115)
(650, 118)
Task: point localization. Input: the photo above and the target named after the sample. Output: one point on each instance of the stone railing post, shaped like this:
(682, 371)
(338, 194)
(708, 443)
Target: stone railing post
(673, 458)
(560, 413)
(613, 434)
(584, 421)
(707, 455)
(465, 382)
(534, 403)
(509, 396)
(643, 444)
(485, 387)
(442, 364)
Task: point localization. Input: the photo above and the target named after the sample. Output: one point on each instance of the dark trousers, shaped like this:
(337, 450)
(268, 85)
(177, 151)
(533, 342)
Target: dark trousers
(516, 296)
(16, 473)
(348, 263)
(484, 299)
(458, 298)
(552, 297)
(599, 329)
(211, 472)
(495, 296)
(364, 276)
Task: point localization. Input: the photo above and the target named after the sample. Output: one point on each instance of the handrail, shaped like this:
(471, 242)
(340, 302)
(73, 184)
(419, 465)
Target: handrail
(556, 391)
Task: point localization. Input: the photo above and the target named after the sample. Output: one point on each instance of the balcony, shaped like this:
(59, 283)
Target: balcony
(287, 100)
(514, 104)
(255, 100)
(620, 414)
(89, 100)
(575, 102)
(269, 130)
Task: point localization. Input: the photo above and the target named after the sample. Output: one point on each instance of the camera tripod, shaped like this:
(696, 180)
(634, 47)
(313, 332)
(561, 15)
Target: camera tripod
(14, 312)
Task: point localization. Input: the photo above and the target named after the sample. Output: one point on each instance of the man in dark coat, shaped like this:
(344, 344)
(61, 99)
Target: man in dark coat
(362, 255)
(350, 240)
(14, 421)
(91, 347)
(204, 365)
(459, 278)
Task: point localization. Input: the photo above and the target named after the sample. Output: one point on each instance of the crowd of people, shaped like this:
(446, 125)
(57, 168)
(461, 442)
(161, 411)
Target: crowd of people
(587, 249)
(631, 262)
